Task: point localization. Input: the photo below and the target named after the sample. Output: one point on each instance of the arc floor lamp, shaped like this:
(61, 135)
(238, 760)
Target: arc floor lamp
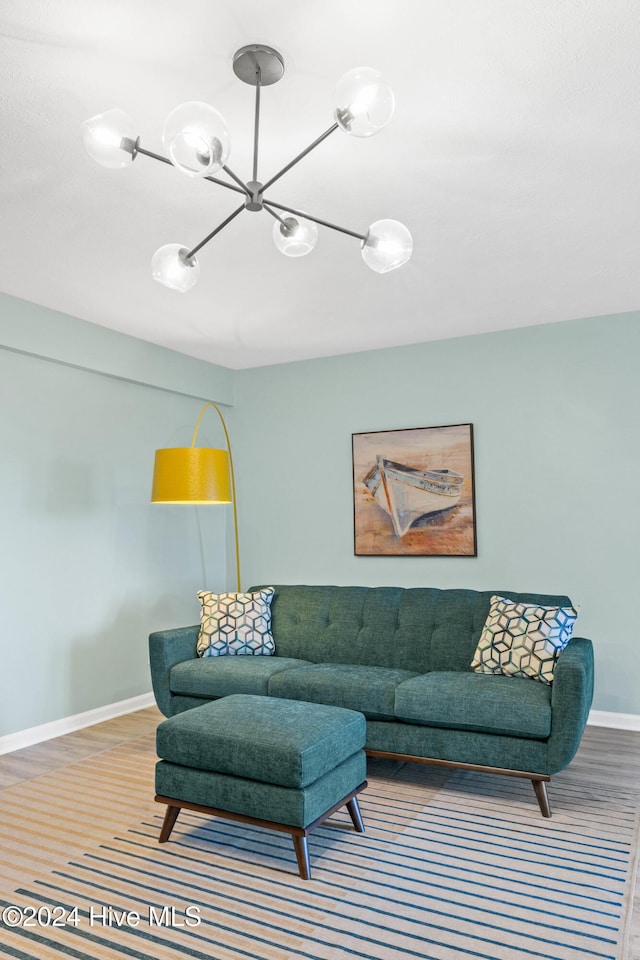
(198, 475)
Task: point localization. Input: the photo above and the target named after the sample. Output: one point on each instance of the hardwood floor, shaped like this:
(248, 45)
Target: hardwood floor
(52, 754)
(609, 756)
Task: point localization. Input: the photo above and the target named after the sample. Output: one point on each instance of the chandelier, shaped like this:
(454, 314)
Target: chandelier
(197, 142)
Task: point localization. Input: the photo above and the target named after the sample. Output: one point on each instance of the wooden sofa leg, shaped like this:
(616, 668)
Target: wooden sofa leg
(540, 788)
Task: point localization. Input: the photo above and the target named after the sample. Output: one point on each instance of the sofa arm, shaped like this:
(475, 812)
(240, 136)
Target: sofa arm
(166, 648)
(571, 696)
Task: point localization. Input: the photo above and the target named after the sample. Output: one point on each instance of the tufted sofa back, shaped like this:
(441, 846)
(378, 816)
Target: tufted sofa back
(417, 628)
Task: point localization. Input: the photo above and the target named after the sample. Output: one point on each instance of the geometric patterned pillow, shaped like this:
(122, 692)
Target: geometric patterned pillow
(523, 639)
(235, 624)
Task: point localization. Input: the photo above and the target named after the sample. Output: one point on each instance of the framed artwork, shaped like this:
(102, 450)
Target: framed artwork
(414, 492)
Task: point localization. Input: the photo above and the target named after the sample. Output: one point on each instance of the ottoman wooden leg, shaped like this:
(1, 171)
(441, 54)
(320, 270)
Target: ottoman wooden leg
(302, 856)
(170, 818)
(354, 812)
(299, 834)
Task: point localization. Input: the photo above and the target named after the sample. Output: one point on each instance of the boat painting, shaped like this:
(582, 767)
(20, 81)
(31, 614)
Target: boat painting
(408, 494)
(414, 492)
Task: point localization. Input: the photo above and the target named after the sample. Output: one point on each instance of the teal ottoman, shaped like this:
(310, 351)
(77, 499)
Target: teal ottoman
(282, 764)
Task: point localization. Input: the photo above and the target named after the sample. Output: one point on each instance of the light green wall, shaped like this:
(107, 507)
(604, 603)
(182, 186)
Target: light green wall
(555, 413)
(88, 565)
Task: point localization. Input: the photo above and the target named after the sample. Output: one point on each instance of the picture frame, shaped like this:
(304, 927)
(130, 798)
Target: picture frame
(414, 492)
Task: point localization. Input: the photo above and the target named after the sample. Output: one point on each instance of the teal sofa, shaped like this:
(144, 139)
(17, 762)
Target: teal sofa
(400, 656)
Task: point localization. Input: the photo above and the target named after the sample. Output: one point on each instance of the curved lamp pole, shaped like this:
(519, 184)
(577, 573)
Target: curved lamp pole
(198, 475)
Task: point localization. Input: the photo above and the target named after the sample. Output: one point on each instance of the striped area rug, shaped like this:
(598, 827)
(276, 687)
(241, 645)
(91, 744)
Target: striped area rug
(451, 866)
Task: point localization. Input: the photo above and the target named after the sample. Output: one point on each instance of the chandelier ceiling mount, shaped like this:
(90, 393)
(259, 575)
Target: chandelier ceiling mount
(256, 64)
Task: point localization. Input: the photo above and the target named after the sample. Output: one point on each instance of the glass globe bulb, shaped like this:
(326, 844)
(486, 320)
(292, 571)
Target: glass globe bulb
(363, 103)
(169, 266)
(388, 245)
(295, 237)
(196, 138)
(109, 138)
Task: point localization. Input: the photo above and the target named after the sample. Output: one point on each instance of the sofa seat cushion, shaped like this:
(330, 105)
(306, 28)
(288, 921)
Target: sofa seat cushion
(212, 677)
(457, 700)
(370, 690)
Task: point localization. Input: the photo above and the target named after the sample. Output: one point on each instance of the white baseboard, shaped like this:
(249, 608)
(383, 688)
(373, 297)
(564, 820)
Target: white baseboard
(619, 721)
(57, 728)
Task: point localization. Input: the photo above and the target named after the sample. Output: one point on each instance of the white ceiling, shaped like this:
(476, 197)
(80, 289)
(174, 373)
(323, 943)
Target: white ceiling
(513, 157)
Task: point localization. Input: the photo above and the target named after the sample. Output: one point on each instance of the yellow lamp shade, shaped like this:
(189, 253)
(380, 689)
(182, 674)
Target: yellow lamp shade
(191, 475)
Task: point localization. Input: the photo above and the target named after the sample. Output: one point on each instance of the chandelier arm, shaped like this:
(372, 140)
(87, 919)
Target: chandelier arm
(241, 183)
(157, 156)
(210, 236)
(295, 160)
(273, 213)
(308, 216)
(223, 183)
(154, 156)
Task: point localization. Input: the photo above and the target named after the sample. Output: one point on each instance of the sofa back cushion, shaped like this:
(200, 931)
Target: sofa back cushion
(414, 628)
